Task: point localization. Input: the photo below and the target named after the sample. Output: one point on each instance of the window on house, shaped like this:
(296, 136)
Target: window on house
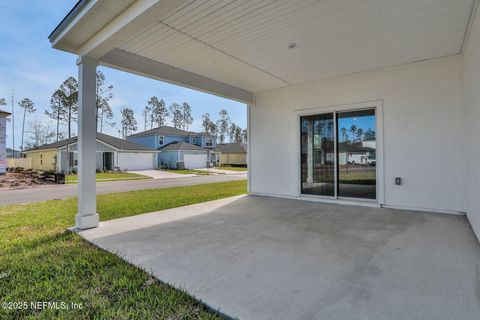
(160, 140)
(41, 159)
(209, 142)
(194, 140)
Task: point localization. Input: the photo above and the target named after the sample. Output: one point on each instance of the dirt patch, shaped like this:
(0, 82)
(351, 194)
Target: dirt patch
(22, 180)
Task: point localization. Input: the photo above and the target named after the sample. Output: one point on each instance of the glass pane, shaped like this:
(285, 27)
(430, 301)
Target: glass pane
(317, 154)
(356, 154)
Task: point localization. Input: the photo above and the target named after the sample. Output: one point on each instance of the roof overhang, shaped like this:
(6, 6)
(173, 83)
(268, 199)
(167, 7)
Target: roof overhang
(236, 48)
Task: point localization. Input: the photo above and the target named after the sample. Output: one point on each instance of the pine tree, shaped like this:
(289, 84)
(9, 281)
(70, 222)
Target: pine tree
(57, 112)
(129, 124)
(222, 125)
(159, 112)
(103, 95)
(28, 107)
(187, 118)
(176, 115)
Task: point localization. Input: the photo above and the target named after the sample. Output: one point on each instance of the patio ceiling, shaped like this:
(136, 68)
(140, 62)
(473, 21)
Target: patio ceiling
(244, 44)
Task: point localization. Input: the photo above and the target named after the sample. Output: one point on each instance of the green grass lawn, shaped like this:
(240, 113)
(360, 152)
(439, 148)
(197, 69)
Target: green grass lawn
(187, 171)
(352, 177)
(111, 176)
(233, 168)
(41, 261)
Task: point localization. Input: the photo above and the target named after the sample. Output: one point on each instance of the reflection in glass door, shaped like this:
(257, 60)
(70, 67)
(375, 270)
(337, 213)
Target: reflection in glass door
(356, 158)
(318, 154)
(338, 154)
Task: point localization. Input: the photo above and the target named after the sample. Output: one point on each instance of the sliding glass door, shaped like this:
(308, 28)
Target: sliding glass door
(338, 154)
(318, 154)
(356, 162)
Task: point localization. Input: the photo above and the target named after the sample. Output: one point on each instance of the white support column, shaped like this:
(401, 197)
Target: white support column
(87, 216)
(249, 148)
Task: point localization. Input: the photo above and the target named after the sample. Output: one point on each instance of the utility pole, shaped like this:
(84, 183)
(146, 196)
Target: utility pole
(13, 125)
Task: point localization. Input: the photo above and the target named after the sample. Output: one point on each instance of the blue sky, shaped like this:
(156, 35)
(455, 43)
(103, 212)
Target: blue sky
(30, 67)
(364, 123)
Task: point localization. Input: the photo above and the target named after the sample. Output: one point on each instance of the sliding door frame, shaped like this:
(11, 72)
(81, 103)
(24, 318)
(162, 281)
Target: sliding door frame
(377, 105)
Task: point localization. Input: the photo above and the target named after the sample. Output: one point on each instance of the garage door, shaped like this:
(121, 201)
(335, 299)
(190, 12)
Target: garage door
(195, 161)
(135, 161)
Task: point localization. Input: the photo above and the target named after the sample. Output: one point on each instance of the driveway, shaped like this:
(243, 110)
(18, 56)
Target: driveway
(223, 171)
(268, 258)
(51, 192)
(159, 174)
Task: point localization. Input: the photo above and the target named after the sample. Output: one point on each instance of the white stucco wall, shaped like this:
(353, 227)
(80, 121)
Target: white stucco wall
(3, 143)
(423, 125)
(471, 93)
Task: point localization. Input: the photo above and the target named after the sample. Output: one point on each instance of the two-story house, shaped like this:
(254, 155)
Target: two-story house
(179, 148)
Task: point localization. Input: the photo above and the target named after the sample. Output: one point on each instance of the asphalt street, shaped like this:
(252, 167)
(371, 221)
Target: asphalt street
(50, 192)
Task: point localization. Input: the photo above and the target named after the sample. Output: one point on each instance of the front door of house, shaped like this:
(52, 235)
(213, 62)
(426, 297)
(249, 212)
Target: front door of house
(108, 161)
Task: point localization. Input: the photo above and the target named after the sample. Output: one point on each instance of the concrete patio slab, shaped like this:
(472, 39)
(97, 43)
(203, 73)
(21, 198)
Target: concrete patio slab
(268, 258)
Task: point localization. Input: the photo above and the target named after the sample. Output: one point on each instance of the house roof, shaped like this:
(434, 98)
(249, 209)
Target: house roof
(117, 143)
(232, 147)
(67, 19)
(4, 113)
(167, 130)
(180, 146)
(347, 147)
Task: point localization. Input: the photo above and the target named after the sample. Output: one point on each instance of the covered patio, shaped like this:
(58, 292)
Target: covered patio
(309, 72)
(263, 258)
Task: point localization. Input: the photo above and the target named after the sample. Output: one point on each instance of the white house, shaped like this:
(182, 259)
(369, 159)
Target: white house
(408, 70)
(3, 141)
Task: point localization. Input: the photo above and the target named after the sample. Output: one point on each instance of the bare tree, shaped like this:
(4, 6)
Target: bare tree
(129, 124)
(222, 125)
(28, 107)
(39, 134)
(159, 112)
(187, 118)
(176, 115)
